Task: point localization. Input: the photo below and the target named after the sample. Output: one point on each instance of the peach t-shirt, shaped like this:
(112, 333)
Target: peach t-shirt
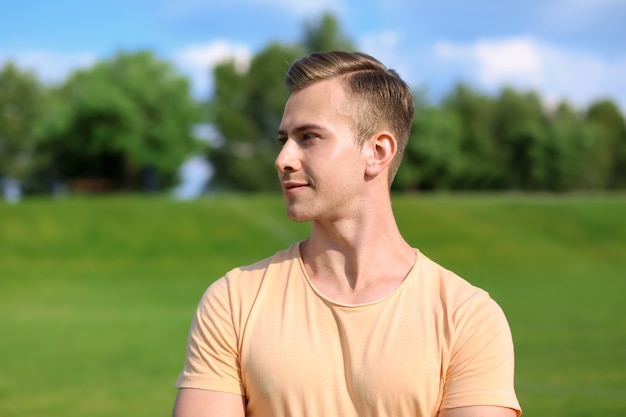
(264, 331)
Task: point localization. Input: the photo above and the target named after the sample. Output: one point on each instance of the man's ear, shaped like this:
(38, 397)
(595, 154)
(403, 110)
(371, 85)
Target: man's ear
(383, 148)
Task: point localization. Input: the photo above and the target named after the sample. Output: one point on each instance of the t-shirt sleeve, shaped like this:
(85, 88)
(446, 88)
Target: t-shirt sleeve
(481, 369)
(212, 361)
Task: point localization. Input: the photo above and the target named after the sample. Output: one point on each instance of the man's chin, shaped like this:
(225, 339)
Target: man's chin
(297, 215)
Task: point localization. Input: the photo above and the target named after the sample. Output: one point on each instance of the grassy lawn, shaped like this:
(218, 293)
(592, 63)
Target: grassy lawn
(96, 294)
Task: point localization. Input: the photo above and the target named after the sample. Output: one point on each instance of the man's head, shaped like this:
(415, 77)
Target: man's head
(379, 98)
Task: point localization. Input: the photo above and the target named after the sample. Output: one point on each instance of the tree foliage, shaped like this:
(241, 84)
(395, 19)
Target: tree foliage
(568, 143)
(121, 117)
(434, 161)
(520, 129)
(607, 158)
(325, 34)
(481, 162)
(22, 101)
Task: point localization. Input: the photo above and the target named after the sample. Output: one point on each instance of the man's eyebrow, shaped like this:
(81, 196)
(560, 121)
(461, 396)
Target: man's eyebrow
(300, 129)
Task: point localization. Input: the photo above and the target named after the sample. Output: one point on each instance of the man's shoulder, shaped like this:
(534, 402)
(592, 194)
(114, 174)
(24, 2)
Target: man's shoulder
(250, 275)
(282, 257)
(448, 283)
(457, 298)
(241, 286)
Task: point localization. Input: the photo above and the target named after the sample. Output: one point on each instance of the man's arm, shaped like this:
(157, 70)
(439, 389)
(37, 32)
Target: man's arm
(192, 402)
(478, 411)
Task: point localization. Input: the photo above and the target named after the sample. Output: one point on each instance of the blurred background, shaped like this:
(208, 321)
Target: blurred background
(167, 95)
(137, 141)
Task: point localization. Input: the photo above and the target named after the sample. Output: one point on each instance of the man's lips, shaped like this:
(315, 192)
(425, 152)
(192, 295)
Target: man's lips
(293, 185)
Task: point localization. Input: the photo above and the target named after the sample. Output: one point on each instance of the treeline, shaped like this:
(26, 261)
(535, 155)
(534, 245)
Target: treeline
(112, 126)
(513, 142)
(128, 123)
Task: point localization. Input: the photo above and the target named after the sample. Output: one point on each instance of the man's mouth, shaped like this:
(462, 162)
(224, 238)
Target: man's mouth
(293, 185)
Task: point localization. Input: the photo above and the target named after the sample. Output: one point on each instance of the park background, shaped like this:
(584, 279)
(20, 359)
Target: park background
(513, 178)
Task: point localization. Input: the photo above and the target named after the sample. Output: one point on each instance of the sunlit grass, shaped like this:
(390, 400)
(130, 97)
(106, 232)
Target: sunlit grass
(96, 294)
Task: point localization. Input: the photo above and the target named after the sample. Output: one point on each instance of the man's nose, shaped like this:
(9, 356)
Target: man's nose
(287, 159)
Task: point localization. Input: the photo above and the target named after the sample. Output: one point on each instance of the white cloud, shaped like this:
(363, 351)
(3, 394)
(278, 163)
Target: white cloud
(384, 46)
(556, 73)
(379, 44)
(51, 67)
(196, 62)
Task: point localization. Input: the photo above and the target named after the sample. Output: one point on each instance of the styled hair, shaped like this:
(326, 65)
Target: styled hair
(379, 98)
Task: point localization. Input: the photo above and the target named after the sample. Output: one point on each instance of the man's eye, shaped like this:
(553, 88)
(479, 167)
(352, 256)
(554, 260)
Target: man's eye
(308, 136)
(282, 141)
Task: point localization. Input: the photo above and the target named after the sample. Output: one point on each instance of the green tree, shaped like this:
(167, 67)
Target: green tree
(569, 142)
(325, 34)
(22, 103)
(606, 161)
(520, 126)
(432, 159)
(123, 117)
(481, 165)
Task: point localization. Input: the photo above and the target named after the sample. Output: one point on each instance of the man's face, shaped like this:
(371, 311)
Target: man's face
(322, 170)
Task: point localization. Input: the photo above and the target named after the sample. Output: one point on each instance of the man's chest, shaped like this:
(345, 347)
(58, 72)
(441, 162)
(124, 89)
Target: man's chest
(368, 361)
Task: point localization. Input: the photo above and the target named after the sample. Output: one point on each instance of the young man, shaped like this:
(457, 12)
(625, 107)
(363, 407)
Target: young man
(352, 321)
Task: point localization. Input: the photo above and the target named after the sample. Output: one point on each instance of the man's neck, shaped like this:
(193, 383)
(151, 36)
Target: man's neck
(357, 260)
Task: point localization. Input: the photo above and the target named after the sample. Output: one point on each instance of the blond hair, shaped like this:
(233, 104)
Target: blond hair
(381, 100)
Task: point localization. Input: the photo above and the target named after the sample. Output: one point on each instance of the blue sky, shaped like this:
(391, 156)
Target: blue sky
(564, 49)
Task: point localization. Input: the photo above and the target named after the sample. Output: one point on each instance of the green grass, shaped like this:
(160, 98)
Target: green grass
(96, 294)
